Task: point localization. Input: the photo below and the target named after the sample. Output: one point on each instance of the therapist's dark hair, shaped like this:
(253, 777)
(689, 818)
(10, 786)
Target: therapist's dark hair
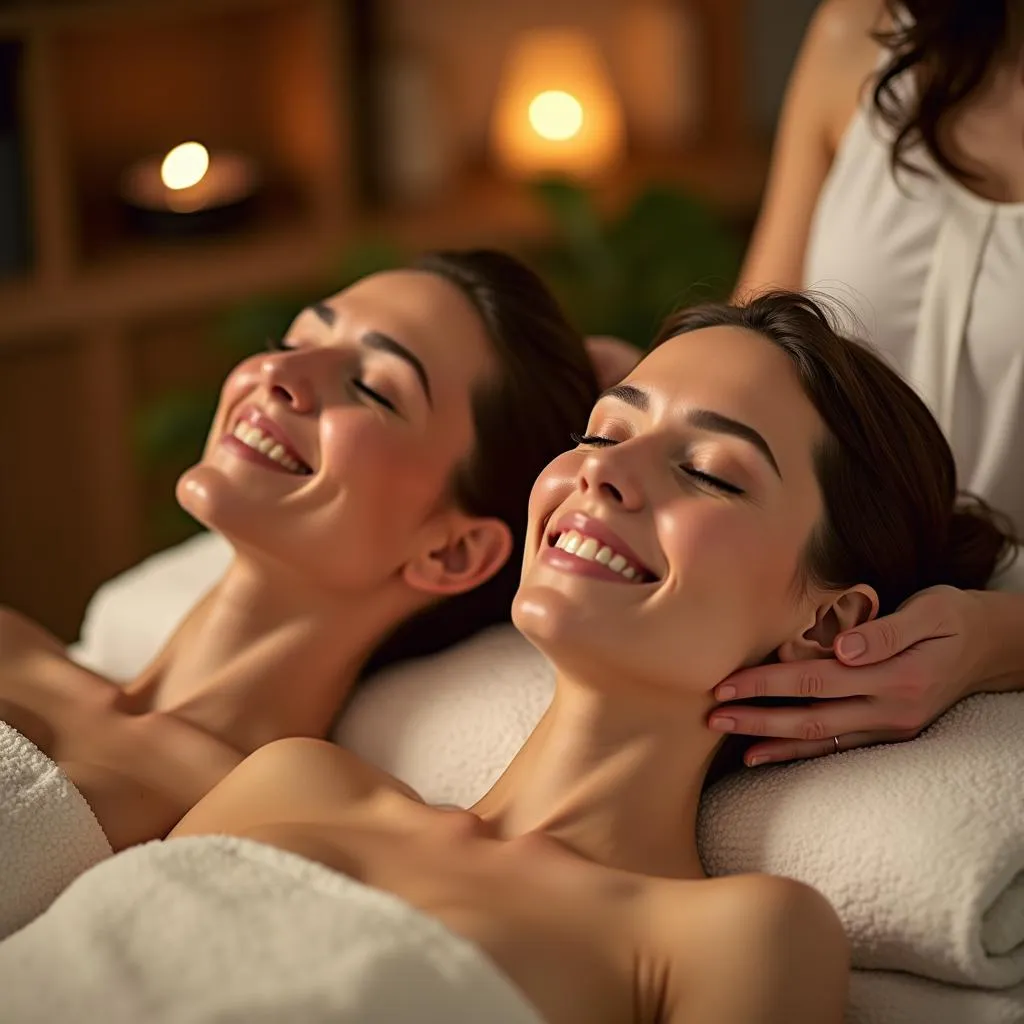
(940, 53)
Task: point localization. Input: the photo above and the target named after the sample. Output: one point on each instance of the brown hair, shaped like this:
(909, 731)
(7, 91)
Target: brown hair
(893, 517)
(953, 44)
(523, 415)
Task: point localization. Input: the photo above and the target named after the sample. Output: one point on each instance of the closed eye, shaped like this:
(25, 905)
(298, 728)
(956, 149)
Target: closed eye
(712, 481)
(277, 345)
(595, 440)
(374, 396)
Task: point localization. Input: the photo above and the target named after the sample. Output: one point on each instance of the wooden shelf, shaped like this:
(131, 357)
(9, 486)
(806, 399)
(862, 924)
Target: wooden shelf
(150, 279)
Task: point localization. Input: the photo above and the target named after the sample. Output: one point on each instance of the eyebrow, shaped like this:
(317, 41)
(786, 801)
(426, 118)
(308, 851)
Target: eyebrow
(702, 419)
(379, 342)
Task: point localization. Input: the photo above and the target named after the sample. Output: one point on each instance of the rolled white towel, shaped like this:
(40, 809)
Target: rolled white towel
(919, 846)
(886, 997)
(48, 833)
(216, 930)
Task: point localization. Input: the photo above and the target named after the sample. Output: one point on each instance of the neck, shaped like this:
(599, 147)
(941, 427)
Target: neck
(614, 775)
(262, 657)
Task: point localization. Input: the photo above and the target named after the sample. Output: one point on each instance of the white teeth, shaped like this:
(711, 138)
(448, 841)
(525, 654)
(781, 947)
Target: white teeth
(589, 549)
(266, 445)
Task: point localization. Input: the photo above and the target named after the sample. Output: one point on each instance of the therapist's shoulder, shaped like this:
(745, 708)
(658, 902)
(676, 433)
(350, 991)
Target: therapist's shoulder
(839, 54)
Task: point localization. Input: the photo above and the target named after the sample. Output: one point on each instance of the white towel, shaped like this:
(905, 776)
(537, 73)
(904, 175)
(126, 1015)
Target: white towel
(48, 833)
(919, 846)
(224, 930)
(883, 997)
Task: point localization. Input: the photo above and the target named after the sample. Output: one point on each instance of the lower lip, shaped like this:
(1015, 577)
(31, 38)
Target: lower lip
(564, 562)
(243, 451)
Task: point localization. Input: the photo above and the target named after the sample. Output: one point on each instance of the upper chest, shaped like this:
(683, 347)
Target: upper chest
(574, 937)
(139, 774)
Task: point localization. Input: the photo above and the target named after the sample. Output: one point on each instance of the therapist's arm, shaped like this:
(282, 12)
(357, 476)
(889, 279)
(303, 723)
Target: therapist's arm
(836, 56)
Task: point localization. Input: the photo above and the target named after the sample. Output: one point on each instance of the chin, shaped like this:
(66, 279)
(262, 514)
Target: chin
(211, 498)
(557, 626)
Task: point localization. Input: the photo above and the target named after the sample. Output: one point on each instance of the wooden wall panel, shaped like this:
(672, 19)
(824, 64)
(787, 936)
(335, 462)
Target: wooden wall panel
(47, 563)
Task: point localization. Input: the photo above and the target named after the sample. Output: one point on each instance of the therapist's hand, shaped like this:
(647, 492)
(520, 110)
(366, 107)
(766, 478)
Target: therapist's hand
(894, 676)
(613, 359)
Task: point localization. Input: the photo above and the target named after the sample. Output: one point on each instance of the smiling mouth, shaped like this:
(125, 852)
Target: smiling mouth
(589, 549)
(252, 437)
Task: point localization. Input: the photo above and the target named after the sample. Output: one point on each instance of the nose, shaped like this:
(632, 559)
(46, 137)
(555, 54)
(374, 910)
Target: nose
(610, 474)
(287, 380)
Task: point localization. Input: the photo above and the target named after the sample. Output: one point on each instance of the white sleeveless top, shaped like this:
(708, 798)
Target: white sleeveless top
(936, 275)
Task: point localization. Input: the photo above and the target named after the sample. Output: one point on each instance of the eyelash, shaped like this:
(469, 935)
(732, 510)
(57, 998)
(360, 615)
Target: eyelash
(598, 441)
(278, 345)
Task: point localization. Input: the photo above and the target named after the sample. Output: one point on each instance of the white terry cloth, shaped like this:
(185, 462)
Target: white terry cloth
(218, 929)
(884, 997)
(919, 846)
(48, 833)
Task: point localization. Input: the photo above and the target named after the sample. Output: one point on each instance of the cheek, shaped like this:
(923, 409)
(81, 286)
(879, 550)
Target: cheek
(554, 484)
(736, 566)
(240, 383)
(387, 476)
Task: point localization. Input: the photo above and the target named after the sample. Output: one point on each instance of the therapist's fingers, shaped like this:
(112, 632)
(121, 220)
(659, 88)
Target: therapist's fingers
(815, 723)
(612, 358)
(816, 678)
(776, 751)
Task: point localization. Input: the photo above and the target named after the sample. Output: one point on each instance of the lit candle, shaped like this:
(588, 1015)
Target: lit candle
(188, 182)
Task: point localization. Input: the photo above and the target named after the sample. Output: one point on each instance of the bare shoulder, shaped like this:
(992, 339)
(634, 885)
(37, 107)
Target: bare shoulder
(294, 779)
(844, 23)
(755, 949)
(841, 52)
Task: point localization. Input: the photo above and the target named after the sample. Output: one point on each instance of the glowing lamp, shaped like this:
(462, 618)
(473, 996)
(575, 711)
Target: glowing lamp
(556, 109)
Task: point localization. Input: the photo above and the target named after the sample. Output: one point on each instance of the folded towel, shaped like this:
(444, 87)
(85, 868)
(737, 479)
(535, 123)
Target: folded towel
(919, 846)
(216, 929)
(884, 997)
(48, 833)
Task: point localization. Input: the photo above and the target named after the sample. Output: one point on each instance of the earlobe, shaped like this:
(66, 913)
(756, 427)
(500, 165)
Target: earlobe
(467, 558)
(838, 613)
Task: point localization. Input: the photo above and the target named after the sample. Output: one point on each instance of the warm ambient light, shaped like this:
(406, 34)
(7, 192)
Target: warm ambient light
(556, 115)
(185, 165)
(556, 109)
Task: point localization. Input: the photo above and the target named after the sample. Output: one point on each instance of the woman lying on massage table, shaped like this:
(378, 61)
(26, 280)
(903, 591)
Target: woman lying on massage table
(370, 471)
(755, 486)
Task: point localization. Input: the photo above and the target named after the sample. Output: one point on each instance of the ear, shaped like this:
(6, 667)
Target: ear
(469, 553)
(838, 613)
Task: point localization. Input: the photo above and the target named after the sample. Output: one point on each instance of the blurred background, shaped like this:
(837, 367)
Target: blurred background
(177, 177)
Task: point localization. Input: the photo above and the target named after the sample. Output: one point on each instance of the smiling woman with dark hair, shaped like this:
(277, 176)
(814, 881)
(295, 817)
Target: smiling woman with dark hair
(371, 473)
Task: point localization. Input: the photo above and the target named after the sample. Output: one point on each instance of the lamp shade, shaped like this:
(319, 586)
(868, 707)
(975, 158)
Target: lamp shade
(556, 109)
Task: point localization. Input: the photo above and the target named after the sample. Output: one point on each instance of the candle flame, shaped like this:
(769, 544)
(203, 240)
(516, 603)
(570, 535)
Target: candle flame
(556, 115)
(185, 165)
